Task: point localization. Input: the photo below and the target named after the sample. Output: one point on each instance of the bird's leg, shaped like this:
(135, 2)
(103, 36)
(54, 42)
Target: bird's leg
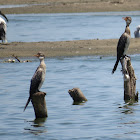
(124, 69)
(128, 57)
(125, 56)
(122, 57)
(4, 40)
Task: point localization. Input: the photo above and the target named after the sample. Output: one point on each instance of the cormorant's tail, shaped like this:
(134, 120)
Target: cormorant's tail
(115, 66)
(27, 103)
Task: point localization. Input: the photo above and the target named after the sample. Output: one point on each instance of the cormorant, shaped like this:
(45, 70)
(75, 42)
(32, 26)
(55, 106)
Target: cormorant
(38, 77)
(123, 43)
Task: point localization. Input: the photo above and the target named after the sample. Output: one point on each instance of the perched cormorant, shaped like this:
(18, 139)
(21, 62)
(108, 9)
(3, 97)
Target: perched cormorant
(123, 43)
(137, 32)
(3, 28)
(38, 78)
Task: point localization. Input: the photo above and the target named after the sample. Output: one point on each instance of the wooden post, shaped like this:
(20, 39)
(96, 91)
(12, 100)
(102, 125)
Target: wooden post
(39, 104)
(129, 80)
(77, 95)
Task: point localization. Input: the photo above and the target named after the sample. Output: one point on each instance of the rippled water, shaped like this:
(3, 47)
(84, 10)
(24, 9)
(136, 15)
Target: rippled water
(69, 26)
(104, 116)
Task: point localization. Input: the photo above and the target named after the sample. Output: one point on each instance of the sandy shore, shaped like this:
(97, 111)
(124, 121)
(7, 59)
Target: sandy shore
(66, 6)
(66, 48)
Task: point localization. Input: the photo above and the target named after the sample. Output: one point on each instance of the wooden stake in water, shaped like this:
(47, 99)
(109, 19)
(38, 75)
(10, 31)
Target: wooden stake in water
(77, 95)
(129, 80)
(39, 104)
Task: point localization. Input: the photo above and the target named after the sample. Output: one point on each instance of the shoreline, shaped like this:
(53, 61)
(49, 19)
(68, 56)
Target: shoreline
(67, 48)
(68, 6)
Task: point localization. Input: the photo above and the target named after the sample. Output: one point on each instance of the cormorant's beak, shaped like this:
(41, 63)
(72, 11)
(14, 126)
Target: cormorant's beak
(4, 16)
(125, 18)
(36, 55)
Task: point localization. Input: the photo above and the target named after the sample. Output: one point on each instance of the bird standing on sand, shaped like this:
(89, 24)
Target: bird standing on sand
(3, 28)
(123, 43)
(38, 77)
(137, 32)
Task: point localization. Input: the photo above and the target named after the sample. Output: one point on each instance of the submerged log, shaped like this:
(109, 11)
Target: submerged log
(39, 104)
(129, 80)
(77, 95)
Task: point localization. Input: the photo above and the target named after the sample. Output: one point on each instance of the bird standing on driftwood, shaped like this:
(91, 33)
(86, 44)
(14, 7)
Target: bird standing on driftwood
(3, 28)
(123, 43)
(38, 78)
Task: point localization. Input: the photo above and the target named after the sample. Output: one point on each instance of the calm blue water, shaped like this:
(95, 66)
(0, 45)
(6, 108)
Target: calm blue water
(72, 26)
(104, 116)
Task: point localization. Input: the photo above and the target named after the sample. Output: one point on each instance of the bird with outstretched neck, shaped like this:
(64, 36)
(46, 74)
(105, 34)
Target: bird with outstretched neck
(38, 78)
(123, 43)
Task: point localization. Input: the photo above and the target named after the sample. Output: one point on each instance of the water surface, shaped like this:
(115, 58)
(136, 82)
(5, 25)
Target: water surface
(104, 116)
(69, 26)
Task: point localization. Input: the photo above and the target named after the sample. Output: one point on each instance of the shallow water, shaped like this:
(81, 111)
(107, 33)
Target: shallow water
(69, 26)
(104, 116)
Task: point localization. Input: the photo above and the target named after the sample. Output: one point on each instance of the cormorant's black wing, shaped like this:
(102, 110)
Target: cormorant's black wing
(2, 31)
(121, 45)
(120, 50)
(35, 81)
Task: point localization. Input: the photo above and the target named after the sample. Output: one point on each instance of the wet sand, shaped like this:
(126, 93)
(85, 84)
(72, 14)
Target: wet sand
(67, 6)
(67, 48)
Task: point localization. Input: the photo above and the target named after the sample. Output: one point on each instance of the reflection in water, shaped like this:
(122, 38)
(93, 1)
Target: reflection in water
(79, 103)
(39, 122)
(128, 123)
(100, 118)
(37, 126)
(128, 108)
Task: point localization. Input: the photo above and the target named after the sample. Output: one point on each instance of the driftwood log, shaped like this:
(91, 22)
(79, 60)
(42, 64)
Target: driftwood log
(20, 60)
(17, 58)
(129, 80)
(77, 95)
(39, 104)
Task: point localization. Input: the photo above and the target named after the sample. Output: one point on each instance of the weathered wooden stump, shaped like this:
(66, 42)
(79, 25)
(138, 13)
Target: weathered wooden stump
(39, 104)
(129, 80)
(77, 95)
